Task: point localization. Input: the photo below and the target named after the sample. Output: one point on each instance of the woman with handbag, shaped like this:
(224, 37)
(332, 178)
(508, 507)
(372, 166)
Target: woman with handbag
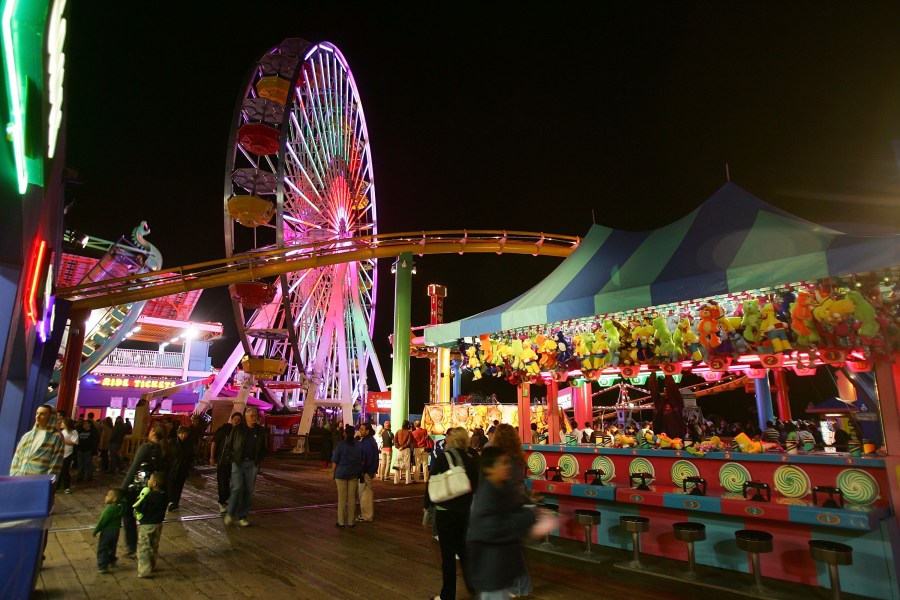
(152, 456)
(452, 516)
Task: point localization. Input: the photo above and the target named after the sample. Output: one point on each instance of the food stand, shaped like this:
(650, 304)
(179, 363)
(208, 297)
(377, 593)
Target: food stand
(737, 286)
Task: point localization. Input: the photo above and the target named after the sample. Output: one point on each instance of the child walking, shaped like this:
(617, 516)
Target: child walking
(150, 510)
(108, 529)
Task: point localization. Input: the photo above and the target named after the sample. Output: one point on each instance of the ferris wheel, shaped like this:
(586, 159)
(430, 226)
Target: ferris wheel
(299, 175)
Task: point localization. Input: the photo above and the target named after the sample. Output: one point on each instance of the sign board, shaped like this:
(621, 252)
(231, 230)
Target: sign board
(378, 402)
(115, 402)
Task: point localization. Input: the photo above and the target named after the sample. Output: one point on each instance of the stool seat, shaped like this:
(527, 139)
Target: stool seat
(833, 553)
(689, 532)
(752, 540)
(633, 524)
(587, 517)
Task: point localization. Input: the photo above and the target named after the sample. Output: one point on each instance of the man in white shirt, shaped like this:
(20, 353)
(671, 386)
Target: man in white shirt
(585, 436)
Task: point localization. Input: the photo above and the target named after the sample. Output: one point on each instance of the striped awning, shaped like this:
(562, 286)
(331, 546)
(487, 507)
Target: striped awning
(732, 243)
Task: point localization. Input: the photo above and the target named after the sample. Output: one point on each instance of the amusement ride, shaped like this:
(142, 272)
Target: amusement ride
(301, 238)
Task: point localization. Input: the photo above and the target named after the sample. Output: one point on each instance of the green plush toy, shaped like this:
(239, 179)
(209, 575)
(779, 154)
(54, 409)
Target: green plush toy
(865, 314)
(665, 345)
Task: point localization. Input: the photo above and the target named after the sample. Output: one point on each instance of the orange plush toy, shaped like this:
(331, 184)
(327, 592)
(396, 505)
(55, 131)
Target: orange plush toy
(708, 329)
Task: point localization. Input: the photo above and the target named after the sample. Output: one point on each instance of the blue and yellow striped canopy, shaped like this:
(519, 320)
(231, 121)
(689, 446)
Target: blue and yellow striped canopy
(732, 243)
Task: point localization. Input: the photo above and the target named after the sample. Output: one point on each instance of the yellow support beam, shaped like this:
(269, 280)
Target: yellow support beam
(270, 263)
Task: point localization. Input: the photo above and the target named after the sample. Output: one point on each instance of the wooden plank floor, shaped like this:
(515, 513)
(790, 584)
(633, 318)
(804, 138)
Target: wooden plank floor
(293, 550)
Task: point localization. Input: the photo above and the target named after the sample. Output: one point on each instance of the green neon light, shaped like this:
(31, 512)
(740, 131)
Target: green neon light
(15, 129)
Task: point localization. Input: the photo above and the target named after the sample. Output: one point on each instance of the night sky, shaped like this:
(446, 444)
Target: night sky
(508, 118)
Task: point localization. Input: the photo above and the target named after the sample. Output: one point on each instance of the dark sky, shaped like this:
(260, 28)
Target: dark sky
(508, 118)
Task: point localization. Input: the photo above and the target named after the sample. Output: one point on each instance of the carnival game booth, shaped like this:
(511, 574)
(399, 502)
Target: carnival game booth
(736, 286)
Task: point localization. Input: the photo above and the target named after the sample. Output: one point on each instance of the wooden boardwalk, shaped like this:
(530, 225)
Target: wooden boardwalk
(293, 550)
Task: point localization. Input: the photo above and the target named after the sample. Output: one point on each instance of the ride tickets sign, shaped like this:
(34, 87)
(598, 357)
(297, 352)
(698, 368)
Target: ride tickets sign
(145, 384)
(378, 402)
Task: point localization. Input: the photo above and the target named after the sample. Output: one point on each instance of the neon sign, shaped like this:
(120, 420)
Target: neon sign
(147, 384)
(15, 129)
(31, 289)
(56, 67)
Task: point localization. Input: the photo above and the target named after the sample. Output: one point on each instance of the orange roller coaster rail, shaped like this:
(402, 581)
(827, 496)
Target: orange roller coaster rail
(261, 264)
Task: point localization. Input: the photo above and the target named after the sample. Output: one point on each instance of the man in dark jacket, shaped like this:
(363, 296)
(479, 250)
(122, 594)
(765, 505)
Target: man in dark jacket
(223, 469)
(244, 449)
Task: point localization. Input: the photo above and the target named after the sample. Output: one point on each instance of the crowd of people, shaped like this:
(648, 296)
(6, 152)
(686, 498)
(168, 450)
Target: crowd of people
(482, 528)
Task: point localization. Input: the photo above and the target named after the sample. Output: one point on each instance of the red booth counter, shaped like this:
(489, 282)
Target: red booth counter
(865, 522)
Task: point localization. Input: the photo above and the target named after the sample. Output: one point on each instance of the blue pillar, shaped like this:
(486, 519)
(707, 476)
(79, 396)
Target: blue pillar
(763, 401)
(457, 380)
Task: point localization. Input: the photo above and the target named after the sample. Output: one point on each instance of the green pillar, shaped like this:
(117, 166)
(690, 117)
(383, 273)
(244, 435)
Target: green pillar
(403, 270)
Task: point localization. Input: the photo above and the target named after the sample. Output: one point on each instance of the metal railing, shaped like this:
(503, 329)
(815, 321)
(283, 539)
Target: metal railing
(145, 359)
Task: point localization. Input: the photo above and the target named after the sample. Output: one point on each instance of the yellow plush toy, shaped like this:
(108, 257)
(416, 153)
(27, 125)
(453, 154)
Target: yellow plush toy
(624, 441)
(690, 340)
(745, 444)
(582, 342)
(775, 330)
(529, 359)
(473, 363)
(548, 349)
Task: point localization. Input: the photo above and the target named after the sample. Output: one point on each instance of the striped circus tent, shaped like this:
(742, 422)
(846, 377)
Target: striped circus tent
(732, 243)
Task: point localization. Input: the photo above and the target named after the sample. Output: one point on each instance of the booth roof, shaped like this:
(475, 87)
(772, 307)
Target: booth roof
(732, 243)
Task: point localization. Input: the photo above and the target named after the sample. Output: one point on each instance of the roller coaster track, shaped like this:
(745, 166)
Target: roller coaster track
(265, 263)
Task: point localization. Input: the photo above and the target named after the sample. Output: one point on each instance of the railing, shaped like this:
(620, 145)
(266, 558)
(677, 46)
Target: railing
(271, 262)
(145, 359)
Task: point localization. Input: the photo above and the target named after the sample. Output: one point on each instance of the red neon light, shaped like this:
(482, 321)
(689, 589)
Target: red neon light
(31, 308)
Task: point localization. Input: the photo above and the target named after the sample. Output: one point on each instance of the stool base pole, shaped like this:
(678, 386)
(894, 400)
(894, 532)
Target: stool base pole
(757, 576)
(587, 540)
(835, 581)
(546, 545)
(692, 570)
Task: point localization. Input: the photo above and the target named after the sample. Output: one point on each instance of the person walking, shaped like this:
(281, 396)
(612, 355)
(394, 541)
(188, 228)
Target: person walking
(420, 443)
(507, 439)
(182, 454)
(403, 443)
(496, 526)
(223, 468)
(387, 451)
(40, 451)
(88, 439)
(326, 445)
(244, 449)
(115, 445)
(108, 529)
(451, 518)
(105, 430)
(369, 448)
(150, 509)
(153, 456)
(70, 440)
(346, 466)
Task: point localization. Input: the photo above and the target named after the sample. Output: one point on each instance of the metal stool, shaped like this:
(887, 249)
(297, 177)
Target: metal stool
(637, 526)
(833, 553)
(546, 545)
(588, 518)
(690, 533)
(753, 542)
